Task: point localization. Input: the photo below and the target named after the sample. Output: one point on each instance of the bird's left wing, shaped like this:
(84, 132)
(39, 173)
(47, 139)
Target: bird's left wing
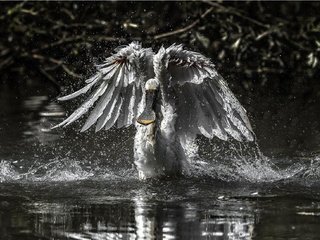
(205, 104)
(118, 85)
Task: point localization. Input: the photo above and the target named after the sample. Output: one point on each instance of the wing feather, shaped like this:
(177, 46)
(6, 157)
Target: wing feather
(205, 103)
(111, 102)
(84, 107)
(83, 90)
(117, 85)
(114, 117)
(126, 95)
(103, 102)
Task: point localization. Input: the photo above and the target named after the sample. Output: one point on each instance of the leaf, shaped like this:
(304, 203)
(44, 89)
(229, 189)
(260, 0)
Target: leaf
(203, 39)
(236, 44)
(312, 60)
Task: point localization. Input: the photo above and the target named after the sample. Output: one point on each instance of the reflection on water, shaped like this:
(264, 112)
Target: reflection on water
(65, 185)
(75, 211)
(125, 220)
(144, 215)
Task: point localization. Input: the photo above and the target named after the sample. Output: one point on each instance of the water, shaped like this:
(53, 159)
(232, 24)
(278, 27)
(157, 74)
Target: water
(63, 184)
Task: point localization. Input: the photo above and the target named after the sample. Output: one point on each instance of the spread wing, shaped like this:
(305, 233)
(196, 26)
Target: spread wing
(117, 89)
(205, 103)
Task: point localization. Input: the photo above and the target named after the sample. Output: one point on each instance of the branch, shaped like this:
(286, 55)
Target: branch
(76, 39)
(70, 72)
(258, 70)
(185, 29)
(57, 43)
(269, 29)
(235, 12)
(59, 63)
(5, 62)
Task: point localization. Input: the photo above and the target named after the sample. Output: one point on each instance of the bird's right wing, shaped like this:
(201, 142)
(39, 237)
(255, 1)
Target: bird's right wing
(118, 85)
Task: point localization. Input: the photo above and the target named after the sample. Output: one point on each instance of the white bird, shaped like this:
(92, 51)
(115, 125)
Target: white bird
(171, 97)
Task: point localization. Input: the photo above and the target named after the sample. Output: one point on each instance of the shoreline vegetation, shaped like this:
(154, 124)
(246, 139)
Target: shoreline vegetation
(262, 45)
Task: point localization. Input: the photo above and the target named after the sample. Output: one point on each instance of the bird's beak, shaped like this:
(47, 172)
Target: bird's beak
(148, 115)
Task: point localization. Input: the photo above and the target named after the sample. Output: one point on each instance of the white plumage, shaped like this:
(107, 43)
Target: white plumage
(179, 95)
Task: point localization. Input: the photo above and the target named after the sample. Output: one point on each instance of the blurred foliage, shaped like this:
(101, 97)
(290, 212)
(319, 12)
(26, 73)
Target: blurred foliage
(258, 46)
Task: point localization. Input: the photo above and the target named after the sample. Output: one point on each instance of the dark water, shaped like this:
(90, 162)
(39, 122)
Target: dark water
(65, 185)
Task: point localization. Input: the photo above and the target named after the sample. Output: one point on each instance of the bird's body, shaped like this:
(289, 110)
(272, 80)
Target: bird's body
(157, 149)
(171, 97)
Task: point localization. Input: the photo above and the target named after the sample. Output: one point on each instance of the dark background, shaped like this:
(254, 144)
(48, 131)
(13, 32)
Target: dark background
(268, 52)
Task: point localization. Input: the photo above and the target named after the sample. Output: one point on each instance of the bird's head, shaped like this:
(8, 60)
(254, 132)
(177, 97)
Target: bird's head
(148, 116)
(152, 85)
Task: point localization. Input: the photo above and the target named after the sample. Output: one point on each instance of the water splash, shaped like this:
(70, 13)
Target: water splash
(243, 162)
(60, 170)
(64, 156)
(233, 161)
(7, 172)
(312, 171)
(232, 169)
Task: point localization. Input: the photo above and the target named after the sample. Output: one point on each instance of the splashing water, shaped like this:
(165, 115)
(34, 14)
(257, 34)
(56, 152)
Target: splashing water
(242, 163)
(70, 156)
(7, 172)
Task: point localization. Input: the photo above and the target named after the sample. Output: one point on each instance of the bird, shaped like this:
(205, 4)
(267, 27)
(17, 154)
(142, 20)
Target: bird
(171, 96)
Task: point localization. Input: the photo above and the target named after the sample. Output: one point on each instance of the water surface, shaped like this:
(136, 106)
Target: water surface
(63, 184)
